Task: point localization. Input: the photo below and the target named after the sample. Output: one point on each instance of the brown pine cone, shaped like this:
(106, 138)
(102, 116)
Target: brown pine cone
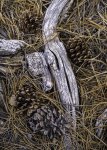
(25, 96)
(30, 23)
(44, 117)
(78, 51)
(48, 121)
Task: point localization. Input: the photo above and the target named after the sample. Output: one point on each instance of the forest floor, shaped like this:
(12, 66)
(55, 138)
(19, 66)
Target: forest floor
(86, 20)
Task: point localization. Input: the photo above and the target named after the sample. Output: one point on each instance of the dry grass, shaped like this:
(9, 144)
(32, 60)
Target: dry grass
(87, 19)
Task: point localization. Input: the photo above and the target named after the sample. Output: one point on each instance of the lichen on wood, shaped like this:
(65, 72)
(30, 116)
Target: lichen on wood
(56, 57)
(59, 65)
(38, 66)
(10, 47)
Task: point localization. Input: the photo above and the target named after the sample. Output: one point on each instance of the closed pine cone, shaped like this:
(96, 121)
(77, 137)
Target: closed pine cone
(78, 51)
(48, 121)
(25, 96)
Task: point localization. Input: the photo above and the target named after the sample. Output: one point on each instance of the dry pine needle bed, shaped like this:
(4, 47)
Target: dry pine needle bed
(83, 31)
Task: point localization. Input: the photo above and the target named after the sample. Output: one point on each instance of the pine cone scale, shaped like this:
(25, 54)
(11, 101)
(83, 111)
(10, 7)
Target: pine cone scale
(42, 116)
(78, 51)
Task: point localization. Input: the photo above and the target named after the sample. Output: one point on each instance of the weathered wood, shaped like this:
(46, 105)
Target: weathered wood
(36, 61)
(60, 67)
(10, 47)
(57, 58)
(38, 67)
(101, 121)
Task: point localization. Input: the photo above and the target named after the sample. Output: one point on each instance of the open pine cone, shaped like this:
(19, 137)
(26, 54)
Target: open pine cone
(47, 120)
(43, 116)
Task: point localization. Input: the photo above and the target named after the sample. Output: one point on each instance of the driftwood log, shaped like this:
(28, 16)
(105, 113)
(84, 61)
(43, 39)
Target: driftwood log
(56, 57)
(38, 67)
(52, 63)
(100, 123)
(10, 47)
(60, 67)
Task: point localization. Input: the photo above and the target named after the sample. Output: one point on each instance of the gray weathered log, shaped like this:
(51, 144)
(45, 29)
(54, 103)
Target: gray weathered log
(64, 14)
(36, 61)
(38, 67)
(60, 67)
(2, 101)
(10, 47)
(101, 121)
(57, 58)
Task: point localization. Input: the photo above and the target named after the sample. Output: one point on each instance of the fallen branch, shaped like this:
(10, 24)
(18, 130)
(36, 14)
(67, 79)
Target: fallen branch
(36, 61)
(101, 121)
(55, 56)
(38, 67)
(10, 47)
(60, 67)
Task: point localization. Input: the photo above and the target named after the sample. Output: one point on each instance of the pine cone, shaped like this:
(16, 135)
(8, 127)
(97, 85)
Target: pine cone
(25, 96)
(78, 51)
(43, 117)
(48, 121)
(30, 23)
